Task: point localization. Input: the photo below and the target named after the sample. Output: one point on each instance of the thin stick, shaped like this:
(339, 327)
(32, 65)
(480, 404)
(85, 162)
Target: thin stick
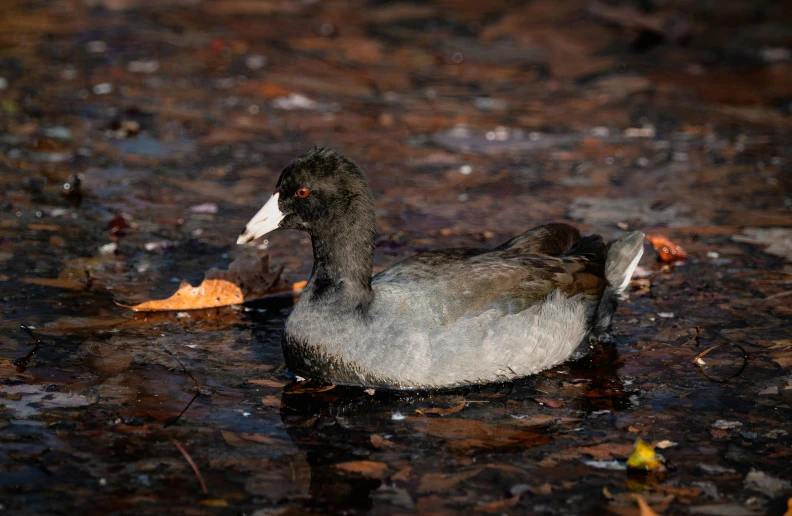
(21, 363)
(173, 420)
(695, 363)
(695, 338)
(191, 463)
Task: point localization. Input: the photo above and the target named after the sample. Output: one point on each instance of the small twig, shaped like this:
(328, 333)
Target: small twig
(186, 371)
(695, 362)
(694, 338)
(191, 463)
(21, 363)
(776, 296)
(173, 420)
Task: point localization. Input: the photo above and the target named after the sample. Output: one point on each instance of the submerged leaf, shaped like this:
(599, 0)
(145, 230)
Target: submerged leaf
(248, 278)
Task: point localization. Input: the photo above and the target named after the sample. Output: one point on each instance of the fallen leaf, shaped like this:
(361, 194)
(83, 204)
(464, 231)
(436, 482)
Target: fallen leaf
(789, 508)
(239, 440)
(549, 402)
(308, 389)
(645, 509)
(43, 227)
(445, 411)
(469, 434)
(667, 251)
(258, 438)
(499, 505)
(438, 482)
(266, 383)
(247, 278)
(271, 401)
(380, 442)
(367, 468)
(643, 457)
(402, 475)
(214, 502)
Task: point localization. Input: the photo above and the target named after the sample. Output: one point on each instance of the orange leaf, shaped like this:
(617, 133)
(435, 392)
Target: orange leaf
(643, 506)
(667, 251)
(367, 468)
(247, 278)
(499, 505)
(266, 383)
(271, 401)
(550, 402)
(444, 411)
(380, 442)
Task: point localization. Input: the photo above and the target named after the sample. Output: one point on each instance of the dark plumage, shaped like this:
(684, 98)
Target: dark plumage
(438, 319)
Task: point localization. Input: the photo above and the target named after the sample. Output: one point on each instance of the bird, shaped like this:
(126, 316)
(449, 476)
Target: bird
(439, 319)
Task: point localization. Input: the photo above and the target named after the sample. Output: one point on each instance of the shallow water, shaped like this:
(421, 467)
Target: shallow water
(472, 123)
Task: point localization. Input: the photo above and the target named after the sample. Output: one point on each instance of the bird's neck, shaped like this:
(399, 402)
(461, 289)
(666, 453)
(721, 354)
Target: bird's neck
(343, 261)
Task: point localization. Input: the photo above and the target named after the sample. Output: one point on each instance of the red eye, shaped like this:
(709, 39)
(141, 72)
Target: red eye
(302, 193)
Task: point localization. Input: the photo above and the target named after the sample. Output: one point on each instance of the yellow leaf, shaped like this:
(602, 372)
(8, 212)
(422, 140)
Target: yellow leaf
(643, 457)
(789, 508)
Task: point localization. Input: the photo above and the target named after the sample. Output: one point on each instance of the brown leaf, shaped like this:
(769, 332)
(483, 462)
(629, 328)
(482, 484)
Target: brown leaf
(266, 383)
(445, 411)
(271, 401)
(239, 440)
(259, 438)
(549, 402)
(380, 442)
(367, 468)
(469, 434)
(402, 475)
(645, 509)
(308, 388)
(499, 505)
(247, 278)
(437, 482)
(667, 251)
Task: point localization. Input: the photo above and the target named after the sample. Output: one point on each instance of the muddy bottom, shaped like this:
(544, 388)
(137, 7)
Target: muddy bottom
(137, 139)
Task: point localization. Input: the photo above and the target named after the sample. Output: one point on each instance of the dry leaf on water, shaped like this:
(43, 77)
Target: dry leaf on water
(308, 388)
(367, 468)
(549, 402)
(380, 442)
(266, 383)
(643, 457)
(645, 509)
(444, 411)
(271, 401)
(469, 434)
(238, 440)
(499, 505)
(667, 251)
(248, 278)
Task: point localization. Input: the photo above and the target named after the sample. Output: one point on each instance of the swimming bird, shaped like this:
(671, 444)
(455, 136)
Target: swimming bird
(438, 319)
